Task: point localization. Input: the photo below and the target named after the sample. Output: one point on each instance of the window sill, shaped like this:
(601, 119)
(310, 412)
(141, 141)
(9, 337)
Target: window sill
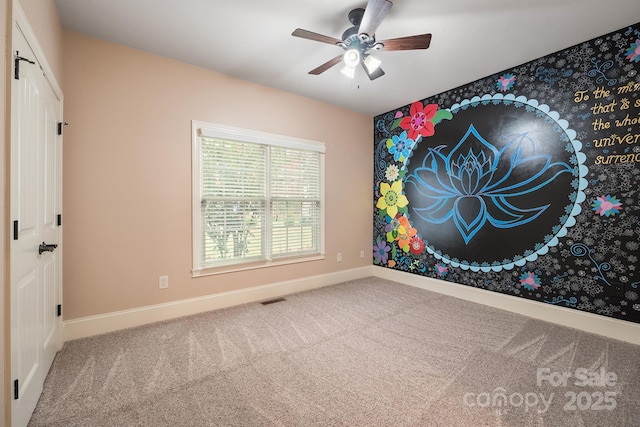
(210, 271)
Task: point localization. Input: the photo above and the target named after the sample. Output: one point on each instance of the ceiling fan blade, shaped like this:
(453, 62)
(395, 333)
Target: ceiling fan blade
(375, 74)
(324, 67)
(310, 35)
(374, 13)
(421, 41)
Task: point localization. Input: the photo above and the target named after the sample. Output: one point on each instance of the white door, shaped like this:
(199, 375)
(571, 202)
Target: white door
(35, 205)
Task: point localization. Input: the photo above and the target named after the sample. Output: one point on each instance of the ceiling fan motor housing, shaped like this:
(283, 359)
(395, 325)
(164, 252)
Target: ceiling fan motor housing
(362, 42)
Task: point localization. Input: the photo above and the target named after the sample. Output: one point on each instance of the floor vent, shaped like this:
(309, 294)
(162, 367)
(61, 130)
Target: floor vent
(272, 301)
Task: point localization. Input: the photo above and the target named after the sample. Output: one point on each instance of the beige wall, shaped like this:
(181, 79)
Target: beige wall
(127, 174)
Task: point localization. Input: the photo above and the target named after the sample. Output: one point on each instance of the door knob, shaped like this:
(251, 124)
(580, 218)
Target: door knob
(46, 248)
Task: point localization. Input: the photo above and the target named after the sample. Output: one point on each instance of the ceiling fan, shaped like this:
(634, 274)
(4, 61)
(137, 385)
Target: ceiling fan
(359, 41)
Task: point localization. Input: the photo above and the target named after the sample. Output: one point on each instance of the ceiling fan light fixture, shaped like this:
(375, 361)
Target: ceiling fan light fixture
(349, 71)
(371, 63)
(352, 58)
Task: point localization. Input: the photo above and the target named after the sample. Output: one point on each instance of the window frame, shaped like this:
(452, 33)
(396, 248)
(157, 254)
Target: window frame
(201, 129)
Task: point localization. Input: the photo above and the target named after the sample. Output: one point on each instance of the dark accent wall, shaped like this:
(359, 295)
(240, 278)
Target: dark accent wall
(524, 182)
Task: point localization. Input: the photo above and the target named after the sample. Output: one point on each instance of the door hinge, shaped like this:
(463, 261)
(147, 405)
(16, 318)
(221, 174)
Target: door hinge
(15, 230)
(59, 220)
(16, 61)
(59, 310)
(60, 125)
(16, 389)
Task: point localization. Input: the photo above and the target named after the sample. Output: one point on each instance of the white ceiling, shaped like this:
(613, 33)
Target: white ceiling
(251, 39)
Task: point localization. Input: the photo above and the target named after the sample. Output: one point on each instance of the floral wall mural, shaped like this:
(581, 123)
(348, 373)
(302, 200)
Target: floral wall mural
(524, 182)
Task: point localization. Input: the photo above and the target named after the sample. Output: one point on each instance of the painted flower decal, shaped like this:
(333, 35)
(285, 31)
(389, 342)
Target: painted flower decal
(505, 82)
(392, 198)
(419, 123)
(392, 172)
(606, 205)
(441, 270)
(393, 224)
(380, 251)
(633, 53)
(530, 281)
(416, 245)
(405, 233)
(400, 146)
(477, 183)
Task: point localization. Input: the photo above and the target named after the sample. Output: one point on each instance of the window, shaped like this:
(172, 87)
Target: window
(257, 199)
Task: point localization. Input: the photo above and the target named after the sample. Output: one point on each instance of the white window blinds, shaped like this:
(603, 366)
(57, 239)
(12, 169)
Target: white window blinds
(259, 197)
(233, 201)
(295, 201)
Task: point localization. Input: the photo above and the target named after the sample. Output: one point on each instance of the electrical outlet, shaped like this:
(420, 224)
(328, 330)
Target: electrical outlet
(339, 256)
(163, 282)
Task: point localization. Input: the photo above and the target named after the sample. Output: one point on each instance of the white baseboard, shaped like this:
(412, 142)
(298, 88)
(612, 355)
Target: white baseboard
(109, 322)
(588, 322)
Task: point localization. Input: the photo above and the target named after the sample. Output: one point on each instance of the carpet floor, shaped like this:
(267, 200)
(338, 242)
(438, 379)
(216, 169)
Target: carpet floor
(368, 352)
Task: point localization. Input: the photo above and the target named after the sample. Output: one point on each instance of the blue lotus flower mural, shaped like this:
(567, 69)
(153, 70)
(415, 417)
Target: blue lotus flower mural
(477, 183)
